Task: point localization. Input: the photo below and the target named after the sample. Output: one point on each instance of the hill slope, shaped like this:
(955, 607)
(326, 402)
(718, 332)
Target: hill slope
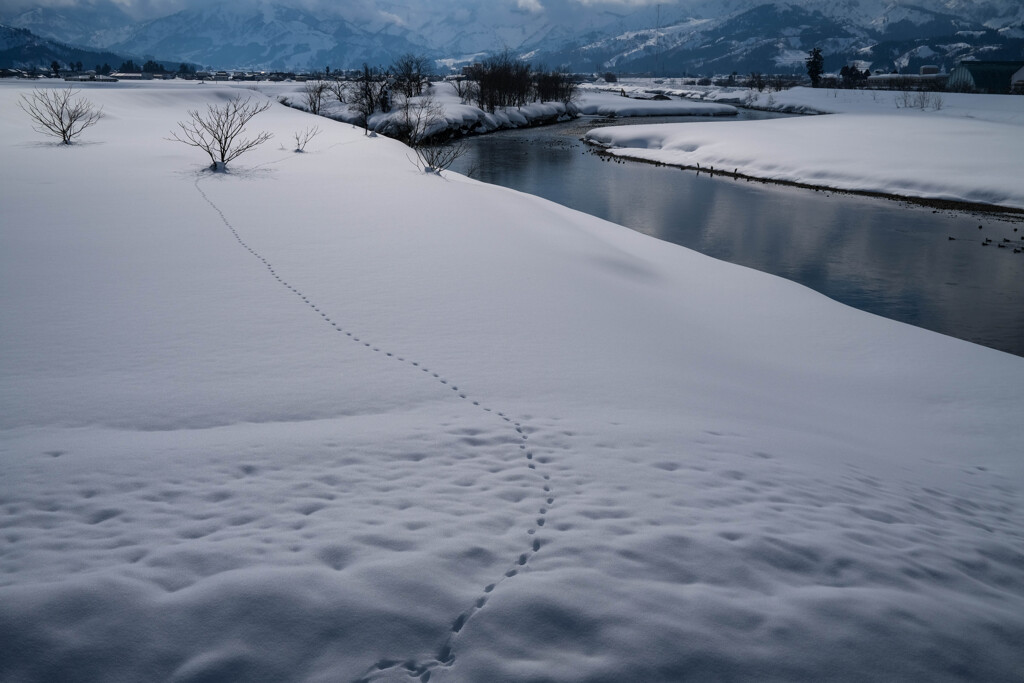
(696, 37)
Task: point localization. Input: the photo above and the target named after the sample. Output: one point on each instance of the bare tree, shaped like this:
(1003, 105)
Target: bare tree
(555, 86)
(410, 73)
(303, 137)
(339, 89)
(218, 130)
(369, 94)
(501, 80)
(313, 95)
(57, 114)
(461, 84)
(422, 124)
(416, 119)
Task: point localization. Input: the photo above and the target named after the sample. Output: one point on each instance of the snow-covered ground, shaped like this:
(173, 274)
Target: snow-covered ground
(457, 116)
(470, 119)
(329, 418)
(612, 104)
(945, 146)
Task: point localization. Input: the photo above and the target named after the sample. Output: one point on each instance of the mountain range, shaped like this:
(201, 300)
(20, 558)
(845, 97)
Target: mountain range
(21, 48)
(671, 38)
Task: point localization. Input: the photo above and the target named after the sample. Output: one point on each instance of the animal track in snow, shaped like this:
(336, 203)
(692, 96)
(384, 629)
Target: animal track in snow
(445, 655)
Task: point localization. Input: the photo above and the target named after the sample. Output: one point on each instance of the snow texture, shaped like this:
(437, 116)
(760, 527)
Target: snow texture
(456, 117)
(931, 145)
(468, 119)
(609, 104)
(328, 418)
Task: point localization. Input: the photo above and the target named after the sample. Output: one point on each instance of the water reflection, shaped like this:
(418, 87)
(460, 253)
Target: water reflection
(881, 256)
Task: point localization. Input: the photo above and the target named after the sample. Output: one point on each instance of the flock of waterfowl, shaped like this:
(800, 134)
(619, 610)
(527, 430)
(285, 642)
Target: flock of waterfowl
(1004, 244)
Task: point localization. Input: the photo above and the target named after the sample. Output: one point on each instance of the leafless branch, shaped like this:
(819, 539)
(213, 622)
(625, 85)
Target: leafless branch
(421, 121)
(313, 95)
(435, 158)
(55, 113)
(462, 88)
(340, 91)
(418, 120)
(303, 136)
(218, 130)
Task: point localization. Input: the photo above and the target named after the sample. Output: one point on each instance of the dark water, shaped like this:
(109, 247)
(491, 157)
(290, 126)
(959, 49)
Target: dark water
(882, 256)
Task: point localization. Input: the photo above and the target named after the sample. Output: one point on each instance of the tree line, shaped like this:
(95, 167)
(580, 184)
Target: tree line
(497, 81)
(504, 81)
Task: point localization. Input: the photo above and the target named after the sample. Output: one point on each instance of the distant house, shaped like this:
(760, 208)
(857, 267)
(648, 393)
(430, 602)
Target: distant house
(90, 76)
(1017, 82)
(984, 77)
(929, 77)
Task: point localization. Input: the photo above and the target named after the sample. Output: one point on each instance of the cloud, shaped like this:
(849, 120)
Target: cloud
(625, 3)
(391, 18)
(151, 9)
(369, 10)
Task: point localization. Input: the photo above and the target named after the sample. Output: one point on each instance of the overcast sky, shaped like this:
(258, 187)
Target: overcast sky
(153, 8)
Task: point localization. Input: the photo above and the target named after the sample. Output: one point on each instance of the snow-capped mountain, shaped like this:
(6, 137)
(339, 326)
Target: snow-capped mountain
(776, 37)
(768, 38)
(271, 37)
(73, 25)
(22, 49)
(695, 36)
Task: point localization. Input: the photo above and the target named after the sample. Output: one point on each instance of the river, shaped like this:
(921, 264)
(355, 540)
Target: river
(886, 257)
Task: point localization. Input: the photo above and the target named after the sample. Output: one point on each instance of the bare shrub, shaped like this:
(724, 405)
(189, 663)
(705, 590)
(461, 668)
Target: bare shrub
(415, 119)
(56, 113)
(303, 137)
(313, 95)
(218, 130)
(437, 157)
(463, 87)
(929, 100)
(919, 99)
(422, 124)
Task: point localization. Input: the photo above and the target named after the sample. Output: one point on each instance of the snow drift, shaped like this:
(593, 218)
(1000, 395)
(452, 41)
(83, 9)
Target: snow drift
(326, 417)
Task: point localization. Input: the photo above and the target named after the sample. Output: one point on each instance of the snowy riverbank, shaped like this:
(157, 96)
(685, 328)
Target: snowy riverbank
(613, 104)
(467, 119)
(329, 418)
(966, 148)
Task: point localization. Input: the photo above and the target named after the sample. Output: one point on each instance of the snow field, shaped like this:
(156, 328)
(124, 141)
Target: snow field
(326, 417)
(609, 104)
(969, 150)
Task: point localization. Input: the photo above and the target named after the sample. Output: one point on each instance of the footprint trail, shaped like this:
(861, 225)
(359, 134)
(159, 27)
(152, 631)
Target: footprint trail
(422, 665)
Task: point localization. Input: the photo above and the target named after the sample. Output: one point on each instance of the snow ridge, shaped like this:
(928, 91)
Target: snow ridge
(422, 666)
